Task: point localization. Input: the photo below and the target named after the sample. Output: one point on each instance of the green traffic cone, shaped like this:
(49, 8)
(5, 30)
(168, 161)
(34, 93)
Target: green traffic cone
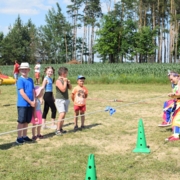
(91, 168)
(141, 146)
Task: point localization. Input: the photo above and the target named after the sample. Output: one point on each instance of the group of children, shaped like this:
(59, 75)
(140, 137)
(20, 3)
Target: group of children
(30, 98)
(171, 109)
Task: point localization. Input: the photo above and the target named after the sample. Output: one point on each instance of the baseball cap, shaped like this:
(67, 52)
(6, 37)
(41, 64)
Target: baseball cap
(80, 77)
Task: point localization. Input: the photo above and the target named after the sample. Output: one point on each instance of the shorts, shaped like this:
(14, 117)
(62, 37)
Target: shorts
(24, 114)
(80, 108)
(15, 76)
(62, 105)
(37, 75)
(39, 117)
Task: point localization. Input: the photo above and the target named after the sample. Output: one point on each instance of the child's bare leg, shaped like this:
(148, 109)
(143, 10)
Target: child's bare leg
(39, 130)
(25, 125)
(19, 133)
(33, 131)
(53, 122)
(60, 121)
(82, 118)
(43, 123)
(76, 114)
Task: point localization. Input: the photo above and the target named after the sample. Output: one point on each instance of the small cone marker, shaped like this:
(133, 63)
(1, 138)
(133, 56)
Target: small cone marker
(141, 146)
(91, 168)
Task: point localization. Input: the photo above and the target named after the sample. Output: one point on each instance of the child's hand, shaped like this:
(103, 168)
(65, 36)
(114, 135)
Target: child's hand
(171, 94)
(41, 101)
(36, 119)
(65, 79)
(32, 103)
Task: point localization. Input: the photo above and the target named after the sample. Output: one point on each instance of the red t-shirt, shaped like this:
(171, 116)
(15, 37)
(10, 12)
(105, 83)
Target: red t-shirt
(16, 68)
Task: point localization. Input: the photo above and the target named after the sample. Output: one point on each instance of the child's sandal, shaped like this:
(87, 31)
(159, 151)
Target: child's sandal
(40, 136)
(34, 138)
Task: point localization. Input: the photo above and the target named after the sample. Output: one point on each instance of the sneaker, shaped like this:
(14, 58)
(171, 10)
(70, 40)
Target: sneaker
(34, 138)
(75, 128)
(40, 136)
(45, 127)
(20, 141)
(164, 124)
(82, 127)
(63, 131)
(53, 127)
(27, 139)
(58, 133)
(172, 138)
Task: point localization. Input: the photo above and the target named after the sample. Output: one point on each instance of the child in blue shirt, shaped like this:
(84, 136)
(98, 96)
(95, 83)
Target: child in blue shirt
(25, 102)
(47, 85)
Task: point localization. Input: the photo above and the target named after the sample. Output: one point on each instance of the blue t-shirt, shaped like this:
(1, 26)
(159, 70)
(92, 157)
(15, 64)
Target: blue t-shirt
(49, 85)
(28, 86)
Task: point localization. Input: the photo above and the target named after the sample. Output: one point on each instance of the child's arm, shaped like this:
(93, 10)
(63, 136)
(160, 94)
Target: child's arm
(177, 94)
(34, 113)
(44, 83)
(86, 93)
(69, 85)
(62, 87)
(23, 94)
(72, 97)
(14, 69)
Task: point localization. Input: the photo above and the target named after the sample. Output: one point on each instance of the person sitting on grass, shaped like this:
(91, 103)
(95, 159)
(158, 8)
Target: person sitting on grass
(174, 78)
(168, 106)
(25, 103)
(37, 115)
(79, 95)
(62, 98)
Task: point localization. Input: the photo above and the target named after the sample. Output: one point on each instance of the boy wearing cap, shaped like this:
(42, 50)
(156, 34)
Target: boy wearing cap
(79, 95)
(25, 102)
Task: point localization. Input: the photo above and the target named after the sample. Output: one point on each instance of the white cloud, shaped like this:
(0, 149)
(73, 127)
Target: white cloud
(67, 2)
(19, 11)
(31, 7)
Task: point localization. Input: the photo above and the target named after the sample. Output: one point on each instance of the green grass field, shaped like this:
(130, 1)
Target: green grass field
(125, 73)
(110, 138)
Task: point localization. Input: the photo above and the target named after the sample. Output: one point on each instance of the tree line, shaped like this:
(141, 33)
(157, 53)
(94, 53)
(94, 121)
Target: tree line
(141, 31)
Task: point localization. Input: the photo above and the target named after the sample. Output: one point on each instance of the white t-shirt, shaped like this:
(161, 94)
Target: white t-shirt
(37, 68)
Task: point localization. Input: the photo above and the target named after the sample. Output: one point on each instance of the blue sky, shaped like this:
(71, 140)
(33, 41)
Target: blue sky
(27, 9)
(32, 9)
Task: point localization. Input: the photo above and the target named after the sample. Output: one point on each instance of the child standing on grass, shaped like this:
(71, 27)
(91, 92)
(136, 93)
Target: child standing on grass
(48, 97)
(37, 115)
(79, 95)
(62, 98)
(25, 102)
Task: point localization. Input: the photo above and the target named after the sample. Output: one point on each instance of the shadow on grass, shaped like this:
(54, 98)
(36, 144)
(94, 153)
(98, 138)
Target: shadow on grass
(86, 127)
(4, 105)
(166, 129)
(51, 134)
(12, 144)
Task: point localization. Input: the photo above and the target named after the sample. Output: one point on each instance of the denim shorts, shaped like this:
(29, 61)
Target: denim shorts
(15, 76)
(24, 114)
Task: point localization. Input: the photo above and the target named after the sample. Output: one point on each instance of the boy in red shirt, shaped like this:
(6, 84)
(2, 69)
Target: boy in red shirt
(79, 95)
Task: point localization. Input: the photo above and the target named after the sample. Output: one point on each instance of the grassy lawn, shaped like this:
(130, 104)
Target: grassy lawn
(110, 138)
